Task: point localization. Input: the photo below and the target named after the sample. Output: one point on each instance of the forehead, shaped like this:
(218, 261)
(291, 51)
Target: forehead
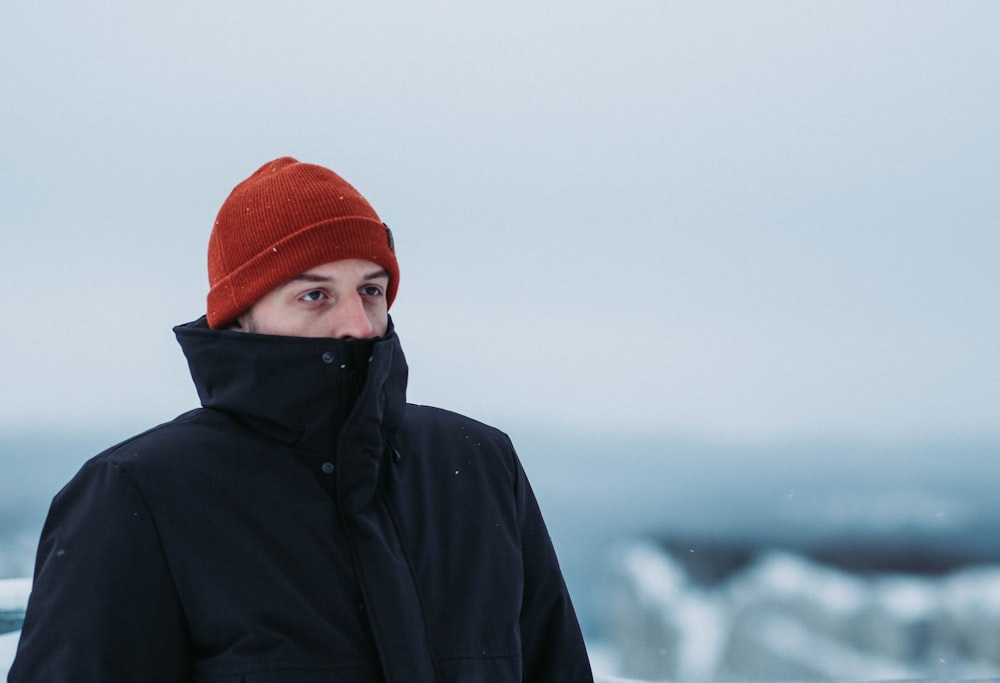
(345, 269)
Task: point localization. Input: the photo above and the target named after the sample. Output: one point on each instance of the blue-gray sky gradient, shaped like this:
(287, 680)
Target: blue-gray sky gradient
(744, 220)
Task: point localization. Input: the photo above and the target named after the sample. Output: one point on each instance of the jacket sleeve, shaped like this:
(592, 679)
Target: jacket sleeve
(103, 605)
(552, 646)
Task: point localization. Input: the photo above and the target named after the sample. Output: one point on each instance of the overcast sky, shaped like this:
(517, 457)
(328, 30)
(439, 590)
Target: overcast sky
(745, 220)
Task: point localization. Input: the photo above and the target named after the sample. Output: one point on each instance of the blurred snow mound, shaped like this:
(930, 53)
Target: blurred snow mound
(779, 615)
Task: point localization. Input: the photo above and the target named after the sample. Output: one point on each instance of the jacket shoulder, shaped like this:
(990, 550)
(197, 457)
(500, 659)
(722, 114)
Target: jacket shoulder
(189, 443)
(167, 438)
(442, 436)
(432, 419)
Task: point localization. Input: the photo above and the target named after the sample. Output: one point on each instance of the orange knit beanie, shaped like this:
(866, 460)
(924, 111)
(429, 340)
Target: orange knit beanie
(283, 220)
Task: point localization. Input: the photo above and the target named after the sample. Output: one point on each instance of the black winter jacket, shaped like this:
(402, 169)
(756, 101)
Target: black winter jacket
(304, 525)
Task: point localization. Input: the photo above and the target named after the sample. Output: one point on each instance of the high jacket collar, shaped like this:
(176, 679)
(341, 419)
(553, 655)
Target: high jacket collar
(307, 392)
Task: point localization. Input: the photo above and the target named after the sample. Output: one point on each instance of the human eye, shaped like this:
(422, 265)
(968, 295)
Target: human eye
(371, 290)
(313, 296)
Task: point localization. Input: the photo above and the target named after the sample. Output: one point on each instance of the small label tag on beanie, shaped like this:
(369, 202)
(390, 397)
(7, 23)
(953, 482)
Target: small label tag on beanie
(392, 243)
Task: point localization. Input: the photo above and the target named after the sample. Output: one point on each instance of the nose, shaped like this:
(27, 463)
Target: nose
(351, 320)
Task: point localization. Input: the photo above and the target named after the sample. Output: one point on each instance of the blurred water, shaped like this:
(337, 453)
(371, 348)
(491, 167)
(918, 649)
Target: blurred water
(810, 494)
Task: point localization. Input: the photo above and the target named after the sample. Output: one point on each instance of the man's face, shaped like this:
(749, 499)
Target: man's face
(341, 299)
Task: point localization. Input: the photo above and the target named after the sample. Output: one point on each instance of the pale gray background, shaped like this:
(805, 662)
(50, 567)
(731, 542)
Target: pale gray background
(743, 220)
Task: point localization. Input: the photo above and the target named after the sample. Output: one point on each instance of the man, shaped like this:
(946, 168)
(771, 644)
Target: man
(306, 524)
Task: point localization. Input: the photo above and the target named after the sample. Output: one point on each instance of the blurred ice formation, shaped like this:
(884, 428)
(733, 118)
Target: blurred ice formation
(756, 614)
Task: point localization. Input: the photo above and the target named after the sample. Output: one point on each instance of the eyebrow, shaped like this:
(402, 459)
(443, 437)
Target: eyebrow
(314, 277)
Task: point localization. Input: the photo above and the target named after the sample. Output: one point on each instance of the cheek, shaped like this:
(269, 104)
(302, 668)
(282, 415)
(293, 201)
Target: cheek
(282, 320)
(379, 320)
